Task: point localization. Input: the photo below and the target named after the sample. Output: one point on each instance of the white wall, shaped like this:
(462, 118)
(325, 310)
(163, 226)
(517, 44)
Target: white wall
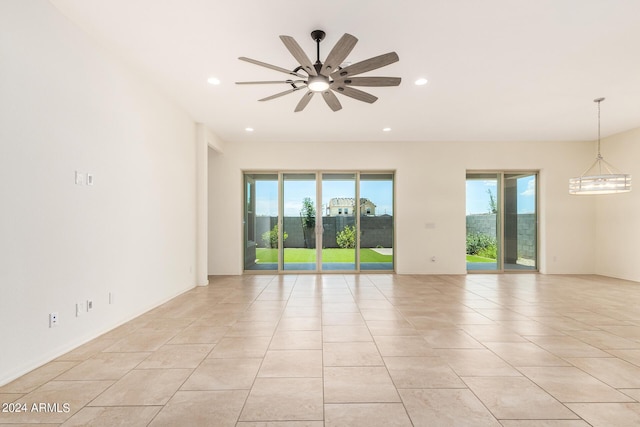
(618, 215)
(67, 105)
(430, 188)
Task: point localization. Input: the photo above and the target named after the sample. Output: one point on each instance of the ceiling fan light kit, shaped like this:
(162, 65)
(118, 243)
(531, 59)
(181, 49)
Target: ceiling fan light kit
(318, 83)
(329, 76)
(601, 177)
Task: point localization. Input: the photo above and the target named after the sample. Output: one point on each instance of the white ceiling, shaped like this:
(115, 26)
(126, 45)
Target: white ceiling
(508, 70)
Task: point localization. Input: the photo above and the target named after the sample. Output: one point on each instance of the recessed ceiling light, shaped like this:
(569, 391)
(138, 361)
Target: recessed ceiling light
(421, 81)
(213, 81)
(248, 129)
(386, 130)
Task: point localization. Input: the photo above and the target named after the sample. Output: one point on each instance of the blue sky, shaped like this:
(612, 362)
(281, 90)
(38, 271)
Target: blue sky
(478, 196)
(267, 198)
(379, 192)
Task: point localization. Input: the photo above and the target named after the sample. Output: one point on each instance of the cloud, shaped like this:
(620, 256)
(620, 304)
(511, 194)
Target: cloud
(531, 189)
(266, 207)
(292, 208)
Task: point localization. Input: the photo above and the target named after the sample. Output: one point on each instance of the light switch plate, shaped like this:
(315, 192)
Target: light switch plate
(80, 309)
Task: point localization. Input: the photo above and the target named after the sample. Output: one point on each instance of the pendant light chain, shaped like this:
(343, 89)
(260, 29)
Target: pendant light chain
(599, 100)
(600, 159)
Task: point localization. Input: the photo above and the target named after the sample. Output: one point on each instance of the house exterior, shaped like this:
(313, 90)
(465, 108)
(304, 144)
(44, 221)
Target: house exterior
(346, 206)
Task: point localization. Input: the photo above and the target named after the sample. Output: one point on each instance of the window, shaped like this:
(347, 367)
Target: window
(261, 222)
(502, 224)
(283, 233)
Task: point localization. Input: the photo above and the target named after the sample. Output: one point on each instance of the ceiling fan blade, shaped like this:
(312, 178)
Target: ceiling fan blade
(299, 54)
(332, 100)
(289, 82)
(370, 81)
(338, 54)
(355, 93)
(304, 101)
(273, 67)
(366, 65)
(286, 92)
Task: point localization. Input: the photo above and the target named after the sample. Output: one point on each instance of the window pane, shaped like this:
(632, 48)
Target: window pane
(260, 222)
(376, 221)
(483, 219)
(299, 218)
(339, 228)
(520, 222)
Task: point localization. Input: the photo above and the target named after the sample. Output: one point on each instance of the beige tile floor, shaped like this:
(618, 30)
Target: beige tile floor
(370, 350)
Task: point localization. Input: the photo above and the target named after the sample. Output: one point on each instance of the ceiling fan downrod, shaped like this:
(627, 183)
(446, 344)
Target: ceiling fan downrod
(318, 36)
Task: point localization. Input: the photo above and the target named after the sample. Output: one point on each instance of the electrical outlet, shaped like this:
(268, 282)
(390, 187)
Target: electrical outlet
(53, 320)
(89, 305)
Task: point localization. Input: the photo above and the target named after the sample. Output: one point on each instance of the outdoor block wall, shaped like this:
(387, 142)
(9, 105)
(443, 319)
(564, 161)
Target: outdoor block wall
(486, 224)
(482, 223)
(527, 233)
(375, 231)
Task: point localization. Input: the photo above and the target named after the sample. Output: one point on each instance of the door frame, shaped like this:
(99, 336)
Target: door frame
(319, 217)
(500, 218)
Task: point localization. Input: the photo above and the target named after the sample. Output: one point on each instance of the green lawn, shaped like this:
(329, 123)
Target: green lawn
(266, 255)
(476, 258)
(292, 255)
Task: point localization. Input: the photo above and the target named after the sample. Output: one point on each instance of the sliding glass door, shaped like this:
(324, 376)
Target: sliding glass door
(318, 221)
(339, 221)
(376, 221)
(483, 221)
(520, 221)
(299, 221)
(261, 222)
(501, 221)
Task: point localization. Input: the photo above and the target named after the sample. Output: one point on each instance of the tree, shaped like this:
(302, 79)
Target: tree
(270, 238)
(308, 217)
(308, 213)
(493, 208)
(346, 239)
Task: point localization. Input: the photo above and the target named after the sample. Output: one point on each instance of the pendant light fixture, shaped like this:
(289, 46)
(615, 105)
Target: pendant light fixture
(601, 177)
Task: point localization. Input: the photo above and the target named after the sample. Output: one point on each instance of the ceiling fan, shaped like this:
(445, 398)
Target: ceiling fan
(329, 76)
